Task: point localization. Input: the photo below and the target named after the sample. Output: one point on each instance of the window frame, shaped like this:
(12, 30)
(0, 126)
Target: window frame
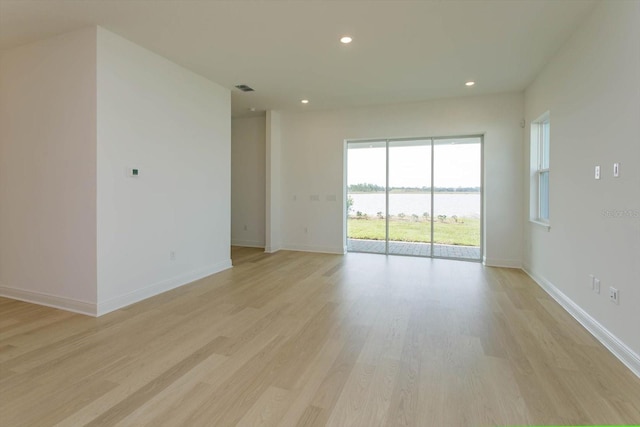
(540, 170)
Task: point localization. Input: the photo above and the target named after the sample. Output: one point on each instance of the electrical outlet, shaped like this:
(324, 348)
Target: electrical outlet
(596, 285)
(597, 172)
(614, 295)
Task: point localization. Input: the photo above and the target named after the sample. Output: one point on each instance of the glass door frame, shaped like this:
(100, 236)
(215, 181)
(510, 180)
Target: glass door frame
(431, 140)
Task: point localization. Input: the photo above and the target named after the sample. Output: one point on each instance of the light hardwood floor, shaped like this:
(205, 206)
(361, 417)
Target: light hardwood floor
(311, 339)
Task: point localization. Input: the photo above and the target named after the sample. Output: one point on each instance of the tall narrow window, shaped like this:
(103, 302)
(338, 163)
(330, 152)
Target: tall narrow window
(540, 139)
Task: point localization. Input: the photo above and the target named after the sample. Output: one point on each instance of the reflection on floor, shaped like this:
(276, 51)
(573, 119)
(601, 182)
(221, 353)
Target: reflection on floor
(414, 249)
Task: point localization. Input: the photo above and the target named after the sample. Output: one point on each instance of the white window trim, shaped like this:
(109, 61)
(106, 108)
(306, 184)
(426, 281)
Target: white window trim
(540, 223)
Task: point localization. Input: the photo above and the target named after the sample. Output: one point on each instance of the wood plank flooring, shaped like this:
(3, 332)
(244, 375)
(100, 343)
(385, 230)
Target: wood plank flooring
(301, 339)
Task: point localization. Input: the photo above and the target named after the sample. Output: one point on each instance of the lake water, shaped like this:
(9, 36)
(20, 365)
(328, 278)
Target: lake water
(462, 205)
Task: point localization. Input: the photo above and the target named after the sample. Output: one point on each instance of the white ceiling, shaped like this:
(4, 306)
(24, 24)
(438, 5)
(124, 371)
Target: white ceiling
(403, 51)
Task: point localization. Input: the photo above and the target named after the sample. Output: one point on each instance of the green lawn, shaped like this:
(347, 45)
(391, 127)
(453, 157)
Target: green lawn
(465, 232)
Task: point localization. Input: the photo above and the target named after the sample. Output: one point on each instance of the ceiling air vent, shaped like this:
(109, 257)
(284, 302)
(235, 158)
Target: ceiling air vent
(245, 88)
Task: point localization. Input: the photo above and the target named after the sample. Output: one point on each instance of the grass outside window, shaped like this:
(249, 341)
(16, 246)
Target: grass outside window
(447, 231)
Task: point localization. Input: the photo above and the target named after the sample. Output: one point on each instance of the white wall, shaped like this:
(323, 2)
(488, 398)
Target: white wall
(313, 155)
(248, 162)
(48, 171)
(274, 174)
(592, 90)
(175, 126)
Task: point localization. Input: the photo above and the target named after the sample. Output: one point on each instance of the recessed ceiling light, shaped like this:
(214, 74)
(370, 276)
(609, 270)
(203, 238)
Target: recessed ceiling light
(304, 101)
(346, 39)
(470, 83)
(252, 109)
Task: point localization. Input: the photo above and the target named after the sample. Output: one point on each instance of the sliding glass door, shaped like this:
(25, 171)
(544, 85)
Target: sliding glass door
(366, 197)
(416, 197)
(409, 195)
(457, 177)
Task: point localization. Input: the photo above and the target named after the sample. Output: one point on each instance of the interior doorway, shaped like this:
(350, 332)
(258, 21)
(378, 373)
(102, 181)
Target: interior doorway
(415, 197)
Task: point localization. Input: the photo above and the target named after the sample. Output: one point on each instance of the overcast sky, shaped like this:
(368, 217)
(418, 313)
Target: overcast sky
(456, 165)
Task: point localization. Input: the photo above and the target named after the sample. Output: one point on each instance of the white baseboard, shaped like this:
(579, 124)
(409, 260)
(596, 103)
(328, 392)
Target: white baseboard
(48, 300)
(339, 250)
(506, 263)
(247, 243)
(92, 309)
(160, 287)
(271, 249)
(610, 341)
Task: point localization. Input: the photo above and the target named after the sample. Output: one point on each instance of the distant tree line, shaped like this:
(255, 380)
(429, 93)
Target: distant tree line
(366, 188)
(373, 188)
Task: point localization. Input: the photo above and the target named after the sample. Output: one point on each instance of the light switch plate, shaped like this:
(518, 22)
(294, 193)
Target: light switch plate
(616, 170)
(597, 172)
(614, 295)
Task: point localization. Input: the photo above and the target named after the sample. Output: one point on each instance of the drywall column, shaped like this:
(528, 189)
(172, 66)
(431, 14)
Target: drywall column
(80, 232)
(273, 235)
(48, 172)
(170, 224)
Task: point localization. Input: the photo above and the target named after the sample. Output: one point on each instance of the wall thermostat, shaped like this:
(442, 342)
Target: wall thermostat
(133, 172)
